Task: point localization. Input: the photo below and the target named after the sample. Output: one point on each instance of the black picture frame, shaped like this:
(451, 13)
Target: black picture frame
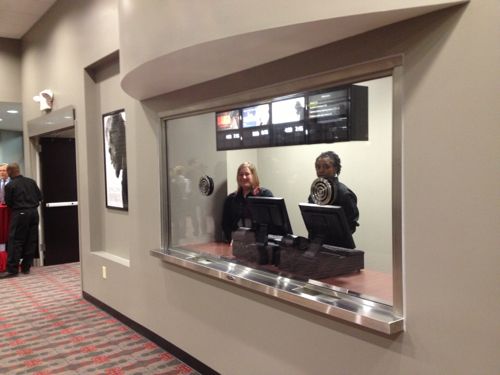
(115, 159)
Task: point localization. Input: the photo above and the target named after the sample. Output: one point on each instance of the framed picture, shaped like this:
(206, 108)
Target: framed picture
(115, 159)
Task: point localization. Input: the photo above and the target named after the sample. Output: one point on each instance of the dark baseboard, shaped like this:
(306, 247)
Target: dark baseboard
(150, 335)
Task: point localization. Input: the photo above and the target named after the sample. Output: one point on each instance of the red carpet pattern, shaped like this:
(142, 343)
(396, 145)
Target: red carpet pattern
(46, 327)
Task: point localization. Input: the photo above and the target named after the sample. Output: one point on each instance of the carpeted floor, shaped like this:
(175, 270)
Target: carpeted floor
(47, 328)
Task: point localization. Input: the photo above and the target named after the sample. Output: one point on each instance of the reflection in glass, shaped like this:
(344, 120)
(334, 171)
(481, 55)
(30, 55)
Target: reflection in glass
(11, 133)
(195, 219)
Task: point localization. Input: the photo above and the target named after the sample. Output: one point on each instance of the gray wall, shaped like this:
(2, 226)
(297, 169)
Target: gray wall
(11, 142)
(450, 218)
(10, 70)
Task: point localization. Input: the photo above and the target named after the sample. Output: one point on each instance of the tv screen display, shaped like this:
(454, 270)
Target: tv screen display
(327, 224)
(289, 110)
(270, 213)
(228, 120)
(327, 105)
(256, 116)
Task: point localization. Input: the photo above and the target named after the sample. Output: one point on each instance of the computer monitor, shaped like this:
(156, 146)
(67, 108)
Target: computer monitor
(269, 216)
(327, 224)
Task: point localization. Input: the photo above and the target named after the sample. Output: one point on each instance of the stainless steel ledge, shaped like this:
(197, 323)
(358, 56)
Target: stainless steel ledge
(333, 302)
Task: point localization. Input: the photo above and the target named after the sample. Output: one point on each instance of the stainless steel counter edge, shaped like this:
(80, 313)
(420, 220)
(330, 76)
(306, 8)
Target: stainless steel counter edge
(331, 302)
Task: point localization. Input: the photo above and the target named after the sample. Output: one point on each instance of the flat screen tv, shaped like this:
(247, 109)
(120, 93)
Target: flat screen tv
(269, 215)
(256, 116)
(228, 120)
(288, 110)
(327, 224)
(326, 106)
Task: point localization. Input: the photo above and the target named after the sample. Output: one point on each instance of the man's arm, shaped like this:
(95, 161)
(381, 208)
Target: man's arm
(8, 194)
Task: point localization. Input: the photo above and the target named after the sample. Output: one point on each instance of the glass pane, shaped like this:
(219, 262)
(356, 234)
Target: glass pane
(11, 134)
(288, 172)
(194, 216)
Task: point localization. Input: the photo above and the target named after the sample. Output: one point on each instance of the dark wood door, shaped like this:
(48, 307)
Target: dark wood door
(59, 206)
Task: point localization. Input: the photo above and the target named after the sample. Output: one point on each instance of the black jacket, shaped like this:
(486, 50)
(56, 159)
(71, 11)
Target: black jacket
(22, 193)
(236, 208)
(346, 199)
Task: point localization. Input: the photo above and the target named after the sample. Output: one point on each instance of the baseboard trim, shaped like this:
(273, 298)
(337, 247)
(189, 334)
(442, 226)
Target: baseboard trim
(150, 335)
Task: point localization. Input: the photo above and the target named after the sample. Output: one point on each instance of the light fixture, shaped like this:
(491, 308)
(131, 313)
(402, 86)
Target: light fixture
(45, 98)
(13, 111)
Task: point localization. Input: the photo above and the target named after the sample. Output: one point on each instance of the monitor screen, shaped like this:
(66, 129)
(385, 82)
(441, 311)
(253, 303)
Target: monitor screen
(328, 224)
(326, 106)
(256, 116)
(270, 213)
(289, 110)
(228, 120)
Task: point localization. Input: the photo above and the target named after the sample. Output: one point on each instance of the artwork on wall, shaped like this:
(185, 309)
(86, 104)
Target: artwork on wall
(115, 159)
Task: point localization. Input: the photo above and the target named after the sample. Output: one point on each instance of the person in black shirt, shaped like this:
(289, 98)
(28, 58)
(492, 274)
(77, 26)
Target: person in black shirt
(328, 166)
(236, 212)
(23, 196)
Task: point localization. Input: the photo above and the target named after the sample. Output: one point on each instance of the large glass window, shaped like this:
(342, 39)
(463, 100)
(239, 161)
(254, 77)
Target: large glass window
(200, 178)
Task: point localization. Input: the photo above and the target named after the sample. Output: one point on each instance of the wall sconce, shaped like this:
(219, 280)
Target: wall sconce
(45, 98)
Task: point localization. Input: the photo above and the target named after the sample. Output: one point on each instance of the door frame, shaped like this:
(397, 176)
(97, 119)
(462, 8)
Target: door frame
(54, 122)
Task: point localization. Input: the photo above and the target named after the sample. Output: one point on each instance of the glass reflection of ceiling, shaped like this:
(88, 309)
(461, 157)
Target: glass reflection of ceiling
(11, 116)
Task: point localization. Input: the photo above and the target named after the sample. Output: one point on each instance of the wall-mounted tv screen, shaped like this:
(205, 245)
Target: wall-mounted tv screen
(288, 110)
(228, 120)
(257, 136)
(326, 106)
(256, 116)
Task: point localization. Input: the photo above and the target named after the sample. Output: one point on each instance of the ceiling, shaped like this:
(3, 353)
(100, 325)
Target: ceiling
(18, 16)
(11, 121)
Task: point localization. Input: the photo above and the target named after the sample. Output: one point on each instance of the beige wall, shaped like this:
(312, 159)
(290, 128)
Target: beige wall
(70, 37)
(450, 218)
(11, 142)
(10, 70)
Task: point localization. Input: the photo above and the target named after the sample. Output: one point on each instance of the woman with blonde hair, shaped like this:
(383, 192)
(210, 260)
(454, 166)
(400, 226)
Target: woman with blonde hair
(236, 212)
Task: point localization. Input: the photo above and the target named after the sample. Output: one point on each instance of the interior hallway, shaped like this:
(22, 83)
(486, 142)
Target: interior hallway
(46, 327)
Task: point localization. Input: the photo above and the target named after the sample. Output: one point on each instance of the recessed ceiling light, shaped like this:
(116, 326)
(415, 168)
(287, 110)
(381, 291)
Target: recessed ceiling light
(1, 119)
(12, 111)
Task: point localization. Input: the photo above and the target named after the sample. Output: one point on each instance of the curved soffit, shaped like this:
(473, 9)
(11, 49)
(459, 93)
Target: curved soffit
(218, 58)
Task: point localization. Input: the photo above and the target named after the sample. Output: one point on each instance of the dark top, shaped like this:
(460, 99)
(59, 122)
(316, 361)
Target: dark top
(236, 210)
(346, 199)
(22, 193)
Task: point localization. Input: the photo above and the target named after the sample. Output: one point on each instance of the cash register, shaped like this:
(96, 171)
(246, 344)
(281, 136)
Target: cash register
(329, 250)
(260, 244)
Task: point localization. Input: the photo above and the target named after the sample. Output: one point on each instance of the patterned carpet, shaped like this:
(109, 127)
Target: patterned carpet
(47, 328)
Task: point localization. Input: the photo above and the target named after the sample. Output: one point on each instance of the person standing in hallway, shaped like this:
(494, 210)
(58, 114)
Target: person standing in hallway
(23, 196)
(4, 180)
